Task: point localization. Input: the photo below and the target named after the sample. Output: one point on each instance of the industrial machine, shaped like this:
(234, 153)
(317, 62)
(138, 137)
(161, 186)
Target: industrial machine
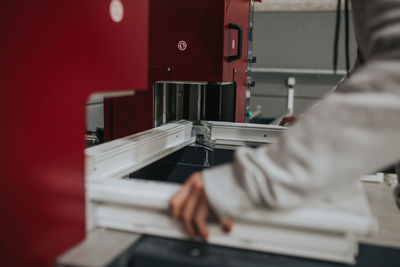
(199, 58)
(54, 55)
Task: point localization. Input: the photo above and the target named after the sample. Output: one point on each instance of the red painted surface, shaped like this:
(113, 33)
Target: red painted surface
(203, 25)
(53, 55)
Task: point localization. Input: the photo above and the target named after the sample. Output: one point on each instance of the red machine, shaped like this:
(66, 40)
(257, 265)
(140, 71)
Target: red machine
(192, 42)
(54, 54)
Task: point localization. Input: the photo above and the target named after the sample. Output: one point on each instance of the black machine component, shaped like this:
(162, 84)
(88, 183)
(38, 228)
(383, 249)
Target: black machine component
(94, 138)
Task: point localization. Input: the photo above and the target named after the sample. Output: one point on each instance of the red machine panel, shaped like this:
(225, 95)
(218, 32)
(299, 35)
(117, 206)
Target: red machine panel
(190, 40)
(195, 40)
(54, 54)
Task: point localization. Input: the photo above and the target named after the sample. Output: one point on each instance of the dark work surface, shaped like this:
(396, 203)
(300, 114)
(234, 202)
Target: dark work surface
(161, 252)
(178, 166)
(222, 156)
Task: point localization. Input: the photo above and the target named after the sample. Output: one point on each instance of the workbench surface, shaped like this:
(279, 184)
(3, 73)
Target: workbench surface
(381, 200)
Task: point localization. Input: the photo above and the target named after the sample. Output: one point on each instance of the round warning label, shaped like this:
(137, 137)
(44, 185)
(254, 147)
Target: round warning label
(182, 45)
(116, 10)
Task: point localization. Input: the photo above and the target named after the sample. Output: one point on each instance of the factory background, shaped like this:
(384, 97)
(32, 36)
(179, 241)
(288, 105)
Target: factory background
(303, 41)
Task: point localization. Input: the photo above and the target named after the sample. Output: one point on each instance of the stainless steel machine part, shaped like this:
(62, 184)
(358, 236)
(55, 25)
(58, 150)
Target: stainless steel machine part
(216, 134)
(193, 101)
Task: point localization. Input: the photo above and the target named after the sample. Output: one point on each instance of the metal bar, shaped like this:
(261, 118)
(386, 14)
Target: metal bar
(282, 96)
(199, 101)
(324, 231)
(299, 72)
(164, 115)
(290, 101)
(182, 82)
(296, 6)
(195, 83)
(239, 134)
(337, 248)
(203, 98)
(126, 155)
(220, 83)
(344, 211)
(251, 59)
(291, 82)
(111, 94)
(155, 106)
(220, 103)
(178, 104)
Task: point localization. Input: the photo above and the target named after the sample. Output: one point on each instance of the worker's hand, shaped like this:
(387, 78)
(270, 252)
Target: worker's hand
(289, 120)
(191, 205)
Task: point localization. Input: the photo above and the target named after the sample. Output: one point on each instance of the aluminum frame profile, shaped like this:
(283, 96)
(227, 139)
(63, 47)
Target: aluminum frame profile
(237, 134)
(126, 155)
(326, 231)
(312, 245)
(346, 211)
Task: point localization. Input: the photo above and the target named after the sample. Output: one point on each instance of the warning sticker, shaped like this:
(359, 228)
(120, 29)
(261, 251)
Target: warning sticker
(182, 45)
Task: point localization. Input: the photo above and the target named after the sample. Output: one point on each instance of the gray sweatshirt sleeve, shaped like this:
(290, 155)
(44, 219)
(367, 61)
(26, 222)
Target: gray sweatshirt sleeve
(352, 132)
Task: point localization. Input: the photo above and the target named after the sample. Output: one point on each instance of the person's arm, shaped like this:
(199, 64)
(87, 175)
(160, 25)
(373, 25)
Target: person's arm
(352, 132)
